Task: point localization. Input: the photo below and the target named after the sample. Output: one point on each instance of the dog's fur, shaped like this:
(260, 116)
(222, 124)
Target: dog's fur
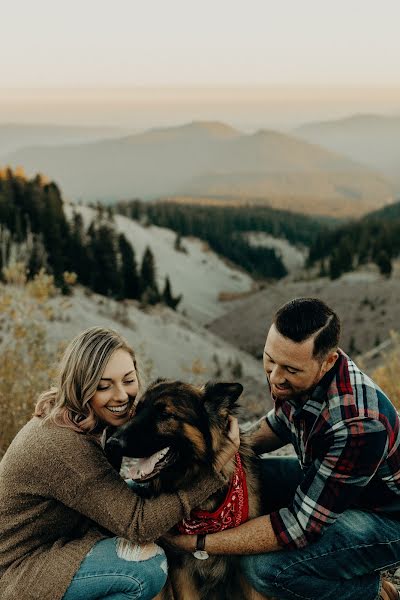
(193, 423)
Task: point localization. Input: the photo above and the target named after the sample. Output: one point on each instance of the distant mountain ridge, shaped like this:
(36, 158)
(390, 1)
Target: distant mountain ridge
(14, 136)
(371, 139)
(211, 159)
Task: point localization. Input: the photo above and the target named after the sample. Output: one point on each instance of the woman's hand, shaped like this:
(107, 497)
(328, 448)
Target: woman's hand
(230, 447)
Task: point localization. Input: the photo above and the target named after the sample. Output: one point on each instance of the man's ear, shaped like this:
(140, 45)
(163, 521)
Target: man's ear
(222, 397)
(330, 361)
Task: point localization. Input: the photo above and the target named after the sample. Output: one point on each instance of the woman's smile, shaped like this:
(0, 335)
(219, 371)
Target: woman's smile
(119, 409)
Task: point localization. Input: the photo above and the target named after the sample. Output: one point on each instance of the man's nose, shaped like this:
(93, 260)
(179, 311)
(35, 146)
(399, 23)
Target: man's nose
(277, 375)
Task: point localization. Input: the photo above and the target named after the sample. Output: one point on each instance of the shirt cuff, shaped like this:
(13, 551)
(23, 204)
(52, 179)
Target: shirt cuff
(279, 429)
(287, 529)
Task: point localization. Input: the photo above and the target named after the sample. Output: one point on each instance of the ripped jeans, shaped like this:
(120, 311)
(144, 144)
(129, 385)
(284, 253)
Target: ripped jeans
(116, 569)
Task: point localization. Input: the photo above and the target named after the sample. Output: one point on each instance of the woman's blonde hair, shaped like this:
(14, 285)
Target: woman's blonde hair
(67, 404)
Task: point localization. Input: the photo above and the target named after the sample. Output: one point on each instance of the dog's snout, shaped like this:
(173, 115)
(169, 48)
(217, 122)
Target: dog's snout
(114, 444)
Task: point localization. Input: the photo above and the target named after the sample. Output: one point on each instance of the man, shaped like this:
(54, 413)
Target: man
(333, 513)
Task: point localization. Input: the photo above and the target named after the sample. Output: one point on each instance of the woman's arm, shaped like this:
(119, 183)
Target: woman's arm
(86, 482)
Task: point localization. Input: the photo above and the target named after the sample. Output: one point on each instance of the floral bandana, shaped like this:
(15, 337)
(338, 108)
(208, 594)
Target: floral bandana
(233, 511)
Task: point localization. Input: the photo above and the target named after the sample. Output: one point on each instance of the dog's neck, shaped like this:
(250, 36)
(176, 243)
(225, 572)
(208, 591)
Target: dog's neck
(231, 511)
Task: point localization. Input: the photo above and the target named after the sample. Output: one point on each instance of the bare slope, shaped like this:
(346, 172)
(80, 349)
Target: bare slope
(199, 274)
(167, 344)
(366, 303)
(211, 159)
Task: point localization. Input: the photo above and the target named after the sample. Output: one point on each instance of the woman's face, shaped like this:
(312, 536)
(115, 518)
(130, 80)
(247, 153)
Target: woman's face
(117, 390)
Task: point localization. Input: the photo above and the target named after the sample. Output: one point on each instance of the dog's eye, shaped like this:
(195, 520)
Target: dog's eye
(165, 414)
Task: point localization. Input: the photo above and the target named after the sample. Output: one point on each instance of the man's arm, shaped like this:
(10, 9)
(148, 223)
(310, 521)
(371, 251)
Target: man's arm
(254, 537)
(263, 438)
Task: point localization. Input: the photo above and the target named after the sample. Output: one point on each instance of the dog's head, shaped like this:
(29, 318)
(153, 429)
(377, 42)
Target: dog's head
(177, 430)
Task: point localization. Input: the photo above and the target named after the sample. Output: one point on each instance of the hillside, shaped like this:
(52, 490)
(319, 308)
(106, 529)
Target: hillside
(199, 274)
(168, 345)
(372, 238)
(370, 139)
(211, 159)
(367, 303)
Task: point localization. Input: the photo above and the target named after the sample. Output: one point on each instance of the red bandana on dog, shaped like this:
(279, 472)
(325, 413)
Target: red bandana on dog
(233, 511)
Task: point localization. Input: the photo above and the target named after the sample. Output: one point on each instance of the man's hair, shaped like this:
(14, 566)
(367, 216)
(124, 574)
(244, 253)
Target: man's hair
(303, 318)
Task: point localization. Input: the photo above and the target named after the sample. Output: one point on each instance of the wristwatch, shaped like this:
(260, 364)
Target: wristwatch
(200, 552)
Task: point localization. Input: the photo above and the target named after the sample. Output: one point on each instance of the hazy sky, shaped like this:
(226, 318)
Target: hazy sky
(47, 43)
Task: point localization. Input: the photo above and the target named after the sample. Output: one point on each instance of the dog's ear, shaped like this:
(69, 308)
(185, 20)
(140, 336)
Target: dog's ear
(222, 396)
(158, 380)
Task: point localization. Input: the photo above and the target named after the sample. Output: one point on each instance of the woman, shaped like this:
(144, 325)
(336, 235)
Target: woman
(70, 526)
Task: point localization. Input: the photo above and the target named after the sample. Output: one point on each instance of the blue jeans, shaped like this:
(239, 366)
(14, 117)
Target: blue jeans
(113, 569)
(344, 564)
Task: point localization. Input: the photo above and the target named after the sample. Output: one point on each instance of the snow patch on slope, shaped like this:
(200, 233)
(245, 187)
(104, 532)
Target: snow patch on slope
(199, 274)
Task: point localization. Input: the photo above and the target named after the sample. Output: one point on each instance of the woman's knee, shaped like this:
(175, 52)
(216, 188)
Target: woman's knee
(150, 565)
(157, 572)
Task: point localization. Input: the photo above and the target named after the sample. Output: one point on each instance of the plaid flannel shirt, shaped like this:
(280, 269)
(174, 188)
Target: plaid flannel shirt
(347, 439)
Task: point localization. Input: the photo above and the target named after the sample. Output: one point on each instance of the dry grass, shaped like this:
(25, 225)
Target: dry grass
(26, 364)
(387, 375)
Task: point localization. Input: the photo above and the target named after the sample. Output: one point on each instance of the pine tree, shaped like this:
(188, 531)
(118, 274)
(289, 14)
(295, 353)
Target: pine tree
(78, 250)
(150, 293)
(167, 297)
(105, 275)
(384, 263)
(129, 274)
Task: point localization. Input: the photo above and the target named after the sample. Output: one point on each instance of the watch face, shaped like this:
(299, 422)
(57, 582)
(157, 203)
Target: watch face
(201, 554)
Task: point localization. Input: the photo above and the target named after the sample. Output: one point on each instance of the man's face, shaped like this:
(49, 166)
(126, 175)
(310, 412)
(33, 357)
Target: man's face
(290, 367)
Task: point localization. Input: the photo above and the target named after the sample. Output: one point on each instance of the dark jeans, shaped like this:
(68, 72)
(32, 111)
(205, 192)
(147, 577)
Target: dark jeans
(343, 564)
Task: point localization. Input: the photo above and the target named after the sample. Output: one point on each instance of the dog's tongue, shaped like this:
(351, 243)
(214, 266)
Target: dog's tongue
(145, 466)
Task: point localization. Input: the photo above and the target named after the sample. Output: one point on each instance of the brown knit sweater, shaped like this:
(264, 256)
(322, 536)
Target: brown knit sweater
(59, 495)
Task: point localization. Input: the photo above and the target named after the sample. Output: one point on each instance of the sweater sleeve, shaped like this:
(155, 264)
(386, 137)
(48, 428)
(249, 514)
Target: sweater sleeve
(90, 485)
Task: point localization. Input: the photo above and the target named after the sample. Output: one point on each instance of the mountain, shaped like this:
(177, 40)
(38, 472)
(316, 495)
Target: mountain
(206, 130)
(212, 159)
(370, 139)
(14, 136)
(387, 213)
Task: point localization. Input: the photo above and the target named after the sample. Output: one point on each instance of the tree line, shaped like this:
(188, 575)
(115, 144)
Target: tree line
(225, 229)
(374, 238)
(34, 227)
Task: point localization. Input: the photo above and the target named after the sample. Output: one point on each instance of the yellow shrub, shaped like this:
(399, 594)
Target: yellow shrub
(26, 363)
(387, 375)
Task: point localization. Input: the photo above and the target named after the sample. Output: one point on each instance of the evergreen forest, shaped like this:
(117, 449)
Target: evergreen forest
(34, 230)
(374, 238)
(224, 228)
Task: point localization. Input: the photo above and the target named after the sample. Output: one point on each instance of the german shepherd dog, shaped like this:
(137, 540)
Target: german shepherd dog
(176, 434)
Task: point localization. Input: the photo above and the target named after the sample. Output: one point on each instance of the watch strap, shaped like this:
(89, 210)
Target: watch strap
(200, 542)
(200, 551)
